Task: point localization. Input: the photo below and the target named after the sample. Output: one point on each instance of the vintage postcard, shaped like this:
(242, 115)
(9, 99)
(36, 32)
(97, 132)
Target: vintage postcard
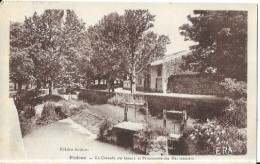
(128, 82)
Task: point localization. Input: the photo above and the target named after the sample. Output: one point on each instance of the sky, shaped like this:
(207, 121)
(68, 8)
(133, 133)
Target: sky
(169, 17)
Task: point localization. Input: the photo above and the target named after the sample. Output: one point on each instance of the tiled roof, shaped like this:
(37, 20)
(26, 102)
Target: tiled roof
(170, 57)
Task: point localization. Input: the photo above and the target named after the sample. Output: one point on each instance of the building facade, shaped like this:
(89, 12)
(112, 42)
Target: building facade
(159, 72)
(157, 79)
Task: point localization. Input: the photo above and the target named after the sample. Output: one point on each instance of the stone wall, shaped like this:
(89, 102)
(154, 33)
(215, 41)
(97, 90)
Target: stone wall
(196, 107)
(156, 146)
(203, 84)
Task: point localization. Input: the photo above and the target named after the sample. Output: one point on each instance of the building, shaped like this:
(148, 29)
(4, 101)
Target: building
(165, 75)
(157, 79)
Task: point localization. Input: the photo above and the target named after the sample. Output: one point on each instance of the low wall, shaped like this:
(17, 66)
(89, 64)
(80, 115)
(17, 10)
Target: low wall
(203, 84)
(196, 107)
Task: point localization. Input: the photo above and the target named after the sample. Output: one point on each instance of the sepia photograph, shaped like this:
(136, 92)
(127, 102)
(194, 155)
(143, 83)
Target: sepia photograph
(129, 81)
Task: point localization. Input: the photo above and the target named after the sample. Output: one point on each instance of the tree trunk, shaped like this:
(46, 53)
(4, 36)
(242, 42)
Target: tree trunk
(20, 84)
(112, 85)
(133, 86)
(27, 86)
(15, 86)
(50, 88)
(44, 84)
(88, 84)
(108, 84)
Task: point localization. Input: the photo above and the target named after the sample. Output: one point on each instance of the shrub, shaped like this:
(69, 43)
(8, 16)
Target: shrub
(48, 113)
(99, 87)
(72, 107)
(145, 135)
(149, 141)
(143, 111)
(235, 113)
(118, 100)
(161, 131)
(234, 89)
(204, 139)
(26, 98)
(61, 91)
(45, 98)
(98, 97)
(105, 128)
(53, 111)
(29, 111)
(70, 91)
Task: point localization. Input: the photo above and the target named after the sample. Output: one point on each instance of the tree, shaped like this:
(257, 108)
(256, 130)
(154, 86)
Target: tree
(53, 41)
(76, 48)
(174, 67)
(21, 66)
(107, 39)
(142, 45)
(221, 38)
(125, 45)
(43, 34)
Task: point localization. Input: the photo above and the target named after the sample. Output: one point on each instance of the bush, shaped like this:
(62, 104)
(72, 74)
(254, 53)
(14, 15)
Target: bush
(26, 98)
(146, 135)
(204, 139)
(48, 113)
(98, 97)
(70, 90)
(72, 107)
(53, 111)
(235, 113)
(161, 131)
(61, 91)
(29, 111)
(99, 87)
(45, 98)
(105, 128)
(143, 111)
(234, 89)
(118, 100)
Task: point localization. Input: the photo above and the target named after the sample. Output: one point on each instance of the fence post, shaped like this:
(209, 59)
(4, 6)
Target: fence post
(164, 117)
(125, 113)
(135, 110)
